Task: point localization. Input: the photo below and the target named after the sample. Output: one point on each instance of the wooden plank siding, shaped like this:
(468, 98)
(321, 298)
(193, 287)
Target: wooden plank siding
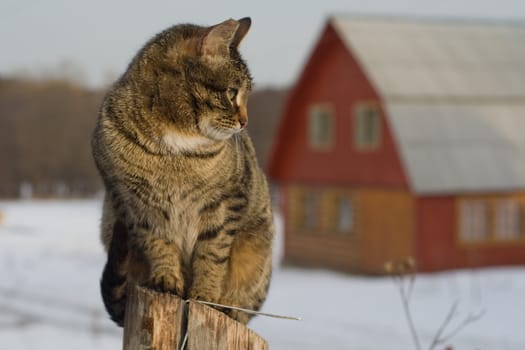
(440, 247)
(311, 250)
(386, 227)
(382, 228)
(322, 243)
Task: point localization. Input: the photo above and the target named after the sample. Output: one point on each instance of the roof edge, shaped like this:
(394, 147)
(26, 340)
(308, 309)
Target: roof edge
(423, 18)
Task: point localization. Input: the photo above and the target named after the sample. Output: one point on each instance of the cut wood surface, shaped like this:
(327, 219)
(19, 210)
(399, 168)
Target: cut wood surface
(209, 329)
(160, 321)
(153, 320)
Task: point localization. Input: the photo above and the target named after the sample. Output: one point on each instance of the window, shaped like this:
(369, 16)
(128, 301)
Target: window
(491, 220)
(346, 216)
(302, 209)
(367, 126)
(321, 211)
(310, 211)
(321, 127)
(507, 223)
(473, 220)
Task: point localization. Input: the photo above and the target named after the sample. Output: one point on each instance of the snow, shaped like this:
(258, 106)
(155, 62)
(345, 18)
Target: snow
(51, 260)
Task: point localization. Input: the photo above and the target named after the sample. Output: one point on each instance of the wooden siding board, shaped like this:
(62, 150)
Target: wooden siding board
(383, 231)
(386, 225)
(319, 250)
(323, 246)
(439, 247)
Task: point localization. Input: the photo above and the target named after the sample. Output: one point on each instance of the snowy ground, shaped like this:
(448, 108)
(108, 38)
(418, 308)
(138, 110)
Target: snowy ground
(51, 260)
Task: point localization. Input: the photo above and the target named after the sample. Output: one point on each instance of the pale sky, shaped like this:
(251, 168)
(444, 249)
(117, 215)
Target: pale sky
(101, 36)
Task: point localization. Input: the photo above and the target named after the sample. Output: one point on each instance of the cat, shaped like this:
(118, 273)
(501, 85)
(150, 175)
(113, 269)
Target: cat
(187, 208)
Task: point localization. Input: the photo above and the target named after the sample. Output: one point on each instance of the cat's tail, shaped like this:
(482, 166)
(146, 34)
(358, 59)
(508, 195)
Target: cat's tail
(113, 284)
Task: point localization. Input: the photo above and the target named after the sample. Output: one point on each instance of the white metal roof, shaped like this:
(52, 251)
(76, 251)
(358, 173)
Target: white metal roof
(454, 95)
(439, 59)
(467, 147)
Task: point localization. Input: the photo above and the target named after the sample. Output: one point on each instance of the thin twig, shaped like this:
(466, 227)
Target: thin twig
(406, 307)
(471, 318)
(437, 338)
(400, 271)
(184, 341)
(411, 283)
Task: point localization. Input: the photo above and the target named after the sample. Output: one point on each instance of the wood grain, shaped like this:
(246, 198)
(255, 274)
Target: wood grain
(159, 321)
(153, 320)
(209, 329)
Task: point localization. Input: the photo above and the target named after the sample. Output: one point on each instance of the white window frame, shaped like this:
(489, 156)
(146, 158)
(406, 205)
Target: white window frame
(367, 126)
(473, 216)
(321, 127)
(507, 220)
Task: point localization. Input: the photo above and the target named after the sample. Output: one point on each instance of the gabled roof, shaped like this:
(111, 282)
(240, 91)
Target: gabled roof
(406, 58)
(454, 93)
(461, 147)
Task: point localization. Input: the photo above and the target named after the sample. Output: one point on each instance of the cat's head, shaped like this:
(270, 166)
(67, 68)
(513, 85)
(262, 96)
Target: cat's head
(227, 82)
(196, 79)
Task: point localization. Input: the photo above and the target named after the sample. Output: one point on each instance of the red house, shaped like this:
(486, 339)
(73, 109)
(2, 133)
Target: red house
(405, 138)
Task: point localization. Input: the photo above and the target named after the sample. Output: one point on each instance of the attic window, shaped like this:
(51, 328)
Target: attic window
(367, 126)
(321, 127)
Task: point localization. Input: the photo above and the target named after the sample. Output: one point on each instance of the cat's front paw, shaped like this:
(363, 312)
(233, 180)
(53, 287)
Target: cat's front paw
(166, 281)
(210, 296)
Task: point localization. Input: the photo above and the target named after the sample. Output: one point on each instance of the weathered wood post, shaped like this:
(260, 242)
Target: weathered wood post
(152, 320)
(160, 321)
(212, 330)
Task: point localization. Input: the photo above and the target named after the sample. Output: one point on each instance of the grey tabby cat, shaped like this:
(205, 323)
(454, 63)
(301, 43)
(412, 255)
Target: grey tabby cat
(187, 208)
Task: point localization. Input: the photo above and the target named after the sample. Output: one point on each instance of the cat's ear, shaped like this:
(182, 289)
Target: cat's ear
(244, 27)
(221, 37)
(217, 40)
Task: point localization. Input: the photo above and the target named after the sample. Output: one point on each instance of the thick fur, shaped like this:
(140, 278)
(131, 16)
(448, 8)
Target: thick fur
(187, 208)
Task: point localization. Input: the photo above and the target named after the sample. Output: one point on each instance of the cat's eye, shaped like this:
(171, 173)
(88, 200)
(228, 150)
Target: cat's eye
(232, 93)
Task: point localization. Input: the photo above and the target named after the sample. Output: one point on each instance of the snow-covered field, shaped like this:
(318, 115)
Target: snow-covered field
(51, 260)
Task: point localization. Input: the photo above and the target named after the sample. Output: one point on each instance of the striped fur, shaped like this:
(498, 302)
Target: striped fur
(187, 208)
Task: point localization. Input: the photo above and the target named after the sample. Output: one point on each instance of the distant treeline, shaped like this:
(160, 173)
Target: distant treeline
(45, 131)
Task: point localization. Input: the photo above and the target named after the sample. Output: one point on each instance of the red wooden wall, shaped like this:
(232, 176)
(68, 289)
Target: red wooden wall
(438, 246)
(332, 75)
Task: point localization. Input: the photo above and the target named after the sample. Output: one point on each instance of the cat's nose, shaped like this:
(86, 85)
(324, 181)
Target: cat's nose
(243, 116)
(243, 122)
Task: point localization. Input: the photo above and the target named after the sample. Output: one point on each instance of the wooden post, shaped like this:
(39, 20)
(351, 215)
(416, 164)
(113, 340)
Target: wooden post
(152, 320)
(209, 329)
(159, 321)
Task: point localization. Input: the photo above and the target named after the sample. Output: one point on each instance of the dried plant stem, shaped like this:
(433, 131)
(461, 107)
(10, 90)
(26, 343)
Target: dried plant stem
(403, 274)
(405, 298)
(439, 339)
